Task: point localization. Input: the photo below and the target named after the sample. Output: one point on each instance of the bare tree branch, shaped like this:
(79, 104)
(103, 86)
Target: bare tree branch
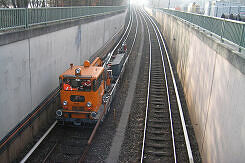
(14, 3)
(4, 3)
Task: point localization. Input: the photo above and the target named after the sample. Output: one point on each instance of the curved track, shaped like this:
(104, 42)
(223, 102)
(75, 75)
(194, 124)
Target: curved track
(66, 143)
(165, 136)
(149, 51)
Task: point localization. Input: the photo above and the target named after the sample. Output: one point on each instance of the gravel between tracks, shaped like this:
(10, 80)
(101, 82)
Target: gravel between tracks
(101, 144)
(131, 148)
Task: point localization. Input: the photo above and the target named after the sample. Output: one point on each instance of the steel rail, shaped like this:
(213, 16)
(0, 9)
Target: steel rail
(97, 124)
(128, 28)
(187, 141)
(82, 158)
(168, 94)
(135, 35)
(126, 60)
(148, 94)
(49, 153)
(131, 24)
(38, 143)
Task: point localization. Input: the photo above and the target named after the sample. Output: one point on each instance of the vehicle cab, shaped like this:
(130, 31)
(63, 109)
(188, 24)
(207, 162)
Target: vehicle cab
(82, 90)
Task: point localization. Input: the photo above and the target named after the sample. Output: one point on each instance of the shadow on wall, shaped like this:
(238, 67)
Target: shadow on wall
(78, 37)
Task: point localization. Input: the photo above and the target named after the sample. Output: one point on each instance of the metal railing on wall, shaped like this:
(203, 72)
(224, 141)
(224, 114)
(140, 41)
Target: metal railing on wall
(27, 17)
(233, 31)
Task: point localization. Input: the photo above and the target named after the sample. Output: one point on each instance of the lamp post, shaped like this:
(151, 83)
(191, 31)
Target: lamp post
(168, 4)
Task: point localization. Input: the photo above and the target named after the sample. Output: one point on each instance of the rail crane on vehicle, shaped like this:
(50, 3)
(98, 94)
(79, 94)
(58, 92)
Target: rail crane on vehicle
(86, 91)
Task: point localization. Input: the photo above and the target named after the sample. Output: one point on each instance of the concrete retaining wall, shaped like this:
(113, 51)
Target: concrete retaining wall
(30, 67)
(213, 78)
(15, 150)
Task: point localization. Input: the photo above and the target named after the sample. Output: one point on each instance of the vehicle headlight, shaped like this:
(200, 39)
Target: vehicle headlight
(59, 113)
(78, 71)
(93, 114)
(89, 104)
(65, 103)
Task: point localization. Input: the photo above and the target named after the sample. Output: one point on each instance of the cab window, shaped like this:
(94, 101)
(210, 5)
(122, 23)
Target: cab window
(77, 85)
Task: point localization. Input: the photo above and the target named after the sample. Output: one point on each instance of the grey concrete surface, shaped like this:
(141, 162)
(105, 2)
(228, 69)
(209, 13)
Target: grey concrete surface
(14, 151)
(213, 78)
(29, 68)
(118, 139)
(14, 84)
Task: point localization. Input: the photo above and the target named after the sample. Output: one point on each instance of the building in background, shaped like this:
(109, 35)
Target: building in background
(194, 8)
(218, 8)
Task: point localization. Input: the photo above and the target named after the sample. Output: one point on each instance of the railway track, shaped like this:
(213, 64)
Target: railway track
(165, 136)
(68, 143)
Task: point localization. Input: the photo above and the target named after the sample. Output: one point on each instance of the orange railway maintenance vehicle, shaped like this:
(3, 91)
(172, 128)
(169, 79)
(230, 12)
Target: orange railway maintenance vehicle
(87, 91)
